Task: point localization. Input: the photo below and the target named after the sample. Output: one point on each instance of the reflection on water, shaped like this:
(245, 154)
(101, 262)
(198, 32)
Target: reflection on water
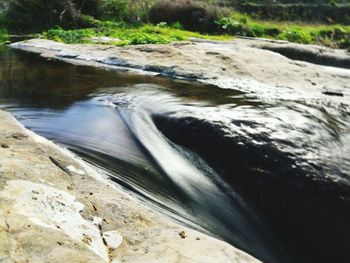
(269, 176)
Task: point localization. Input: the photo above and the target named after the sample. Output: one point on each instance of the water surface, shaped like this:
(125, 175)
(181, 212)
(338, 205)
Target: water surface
(269, 175)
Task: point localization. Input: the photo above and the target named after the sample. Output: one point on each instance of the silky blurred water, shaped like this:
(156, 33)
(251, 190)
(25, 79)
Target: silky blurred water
(269, 175)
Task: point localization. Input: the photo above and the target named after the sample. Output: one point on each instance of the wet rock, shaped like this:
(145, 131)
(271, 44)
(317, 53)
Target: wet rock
(310, 53)
(103, 40)
(67, 55)
(246, 65)
(46, 223)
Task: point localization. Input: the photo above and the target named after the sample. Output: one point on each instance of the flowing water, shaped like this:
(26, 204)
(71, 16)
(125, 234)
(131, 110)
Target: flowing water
(269, 175)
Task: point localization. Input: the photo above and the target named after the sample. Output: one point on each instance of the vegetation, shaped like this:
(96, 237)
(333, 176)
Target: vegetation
(329, 13)
(3, 31)
(128, 35)
(28, 16)
(159, 21)
(194, 15)
(3, 36)
(337, 36)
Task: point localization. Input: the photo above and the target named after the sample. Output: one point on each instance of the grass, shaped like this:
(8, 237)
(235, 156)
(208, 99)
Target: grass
(32, 16)
(4, 38)
(128, 35)
(336, 36)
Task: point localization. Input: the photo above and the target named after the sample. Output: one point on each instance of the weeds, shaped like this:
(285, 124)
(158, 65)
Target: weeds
(193, 15)
(83, 19)
(337, 36)
(3, 36)
(128, 35)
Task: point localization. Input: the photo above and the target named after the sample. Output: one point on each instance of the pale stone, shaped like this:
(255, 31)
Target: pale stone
(242, 64)
(47, 216)
(113, 239)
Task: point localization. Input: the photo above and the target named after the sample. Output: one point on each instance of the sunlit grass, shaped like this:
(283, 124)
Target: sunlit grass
(337, 36)
(3, 36)
(129, 35)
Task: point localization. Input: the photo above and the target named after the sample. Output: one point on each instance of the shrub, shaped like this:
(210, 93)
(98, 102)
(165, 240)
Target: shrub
(229, 25)
(345, 43)
(177, 25)
(136, 11)
(272, 31)
(37, 15)
(192, 15)
(3, 36)
(296, 35)
(69, 36)
(2, 14)
(334, 33)
(147, 34)
(257, 30)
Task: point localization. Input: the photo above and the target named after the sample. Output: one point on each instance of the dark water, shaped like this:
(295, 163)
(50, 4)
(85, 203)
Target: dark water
(269, 175)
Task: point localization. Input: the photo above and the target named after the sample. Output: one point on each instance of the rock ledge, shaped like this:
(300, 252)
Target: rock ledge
(56, 208)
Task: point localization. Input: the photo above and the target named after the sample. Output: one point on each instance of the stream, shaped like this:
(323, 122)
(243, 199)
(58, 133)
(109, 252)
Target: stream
(269, 175)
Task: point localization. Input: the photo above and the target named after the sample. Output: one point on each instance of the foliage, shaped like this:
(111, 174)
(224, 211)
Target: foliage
(123, 10)
(76, 21)
(37, 15)
(129, 35)
(193, 15)
(3, 36)
(337, 36)
(306, 12)
(296, 35)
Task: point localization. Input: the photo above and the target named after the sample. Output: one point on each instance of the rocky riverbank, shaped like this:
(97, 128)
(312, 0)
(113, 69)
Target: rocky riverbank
(56, 208)
(244, 64)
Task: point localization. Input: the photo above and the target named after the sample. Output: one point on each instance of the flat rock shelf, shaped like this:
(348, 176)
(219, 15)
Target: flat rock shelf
(56, 208)
(277, 119)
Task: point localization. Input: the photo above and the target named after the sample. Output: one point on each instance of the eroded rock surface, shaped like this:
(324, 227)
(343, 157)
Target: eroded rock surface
(310, 53)
(56, 208)
(129, 231)
(240, 64)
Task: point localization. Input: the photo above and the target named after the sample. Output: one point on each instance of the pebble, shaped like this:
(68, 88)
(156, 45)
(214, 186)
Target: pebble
(182, 234)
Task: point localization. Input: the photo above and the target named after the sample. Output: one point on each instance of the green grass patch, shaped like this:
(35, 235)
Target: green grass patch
(129, 35)
(4, 37)
(336, 36)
